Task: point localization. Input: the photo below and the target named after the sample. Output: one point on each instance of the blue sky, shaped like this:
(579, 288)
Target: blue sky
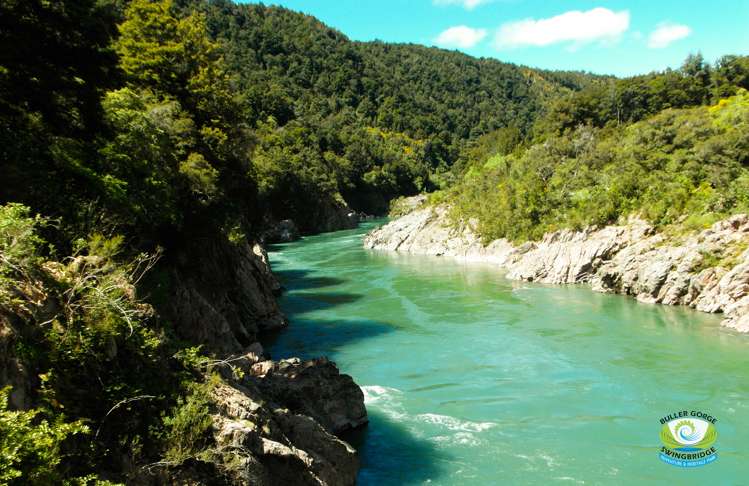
(607, 37)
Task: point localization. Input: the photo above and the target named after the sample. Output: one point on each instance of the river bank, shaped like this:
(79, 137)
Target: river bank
(708, 271)
(249, 419)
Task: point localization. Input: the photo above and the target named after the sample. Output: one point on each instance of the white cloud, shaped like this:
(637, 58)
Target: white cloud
(460, 36)
(598, 24)
(467, 4)
(666, 33)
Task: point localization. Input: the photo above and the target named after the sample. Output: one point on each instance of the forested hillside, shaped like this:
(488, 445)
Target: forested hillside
(329, 93)
(672, 147)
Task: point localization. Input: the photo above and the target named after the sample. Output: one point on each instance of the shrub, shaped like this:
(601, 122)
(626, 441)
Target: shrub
(31, 449)
(189, 423)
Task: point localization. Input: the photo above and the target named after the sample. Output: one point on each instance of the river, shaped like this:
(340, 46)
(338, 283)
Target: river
(472, 379)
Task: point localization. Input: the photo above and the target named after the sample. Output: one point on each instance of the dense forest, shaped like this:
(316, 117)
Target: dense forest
(671, 147)
(369, 120)
(135, 135)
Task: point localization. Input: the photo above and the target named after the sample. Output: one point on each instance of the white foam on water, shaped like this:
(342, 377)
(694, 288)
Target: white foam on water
(454, 424)
(460, 438)
(385, 399)
(376, 393)
(550, 462)
(569, 478)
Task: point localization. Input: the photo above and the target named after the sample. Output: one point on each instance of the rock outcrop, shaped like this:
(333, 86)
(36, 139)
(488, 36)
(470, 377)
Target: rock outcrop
(271, 445)
(223, 295)
(330, 214)
(263, 436)
(283, 231)
(427, 231)
(276, 422)
(708, 271)
(275, 428)
(314, 388)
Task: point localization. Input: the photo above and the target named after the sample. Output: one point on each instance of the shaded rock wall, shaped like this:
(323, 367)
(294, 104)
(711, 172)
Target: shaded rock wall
(223, 295)
(273, 436)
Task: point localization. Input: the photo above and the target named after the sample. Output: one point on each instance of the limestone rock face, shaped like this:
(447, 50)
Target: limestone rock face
(708, 270)
(656, 271)
(573, 256)
(427, 232)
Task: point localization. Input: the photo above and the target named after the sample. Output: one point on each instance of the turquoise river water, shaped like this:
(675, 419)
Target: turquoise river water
(472, 379)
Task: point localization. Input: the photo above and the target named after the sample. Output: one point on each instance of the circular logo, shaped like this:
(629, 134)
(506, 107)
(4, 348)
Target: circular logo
(687, 440)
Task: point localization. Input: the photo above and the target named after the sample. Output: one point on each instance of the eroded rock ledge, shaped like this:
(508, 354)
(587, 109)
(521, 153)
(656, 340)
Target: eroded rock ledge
(276, 422)
(708, 271)
(265, 434)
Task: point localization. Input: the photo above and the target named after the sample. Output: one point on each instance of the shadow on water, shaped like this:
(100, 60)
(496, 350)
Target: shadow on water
(311, 338)
(336, 298)
(300, 279)
(391, 455)
(295, 304)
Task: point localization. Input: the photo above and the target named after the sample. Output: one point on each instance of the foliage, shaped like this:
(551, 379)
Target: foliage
(31, 447)
(83, 332)
(326, 94)
(189, 423)
(685, 166)
(20, 242)
(139, 126)
(623, 101)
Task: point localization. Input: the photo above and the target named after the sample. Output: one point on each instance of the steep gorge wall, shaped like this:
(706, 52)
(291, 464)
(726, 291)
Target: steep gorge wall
(274, 422)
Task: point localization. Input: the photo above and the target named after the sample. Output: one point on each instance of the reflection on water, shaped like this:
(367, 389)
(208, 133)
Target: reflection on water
(474, 379)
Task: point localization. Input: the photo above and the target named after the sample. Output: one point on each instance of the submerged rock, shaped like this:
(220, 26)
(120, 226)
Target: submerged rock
(708, 271)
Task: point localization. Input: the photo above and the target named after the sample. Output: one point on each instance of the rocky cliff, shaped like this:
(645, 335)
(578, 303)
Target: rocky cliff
(328, 215)
(223, 295)
(273, 422)
(708, 271)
